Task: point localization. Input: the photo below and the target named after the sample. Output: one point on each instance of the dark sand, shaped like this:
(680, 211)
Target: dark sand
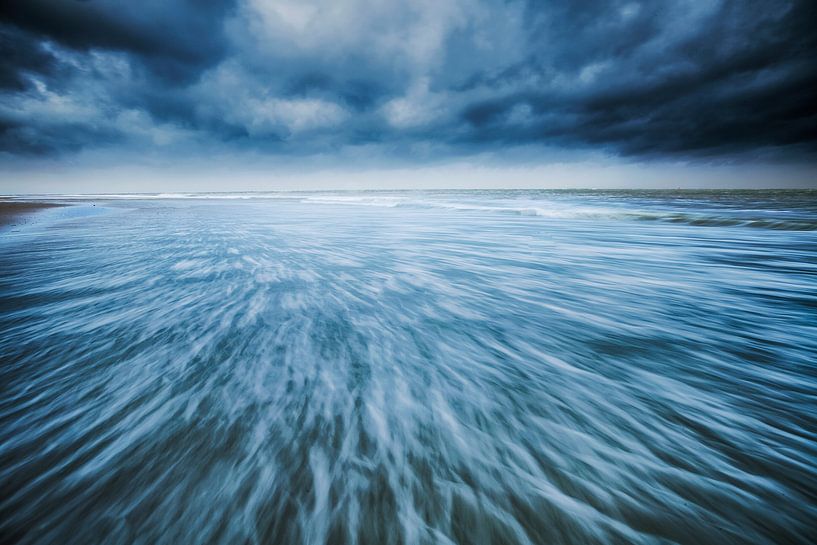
(15, 212)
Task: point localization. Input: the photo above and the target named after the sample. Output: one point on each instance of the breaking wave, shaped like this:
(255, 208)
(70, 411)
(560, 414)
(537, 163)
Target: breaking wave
(721, 208)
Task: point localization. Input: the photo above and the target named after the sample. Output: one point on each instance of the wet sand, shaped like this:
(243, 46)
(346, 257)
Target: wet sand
(15, 212)
(517, 367)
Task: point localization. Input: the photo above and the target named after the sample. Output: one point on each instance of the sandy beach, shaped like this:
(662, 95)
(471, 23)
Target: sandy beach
(14, 212)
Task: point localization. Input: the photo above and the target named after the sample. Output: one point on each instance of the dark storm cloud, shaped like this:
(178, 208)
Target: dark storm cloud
(744, 77)
(175, 39)
(21, 54)
(449, 77)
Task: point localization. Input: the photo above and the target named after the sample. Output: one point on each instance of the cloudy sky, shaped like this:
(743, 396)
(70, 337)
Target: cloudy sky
(253, 94)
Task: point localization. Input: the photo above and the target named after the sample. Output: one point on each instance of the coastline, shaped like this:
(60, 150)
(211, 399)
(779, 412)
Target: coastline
(13, 213)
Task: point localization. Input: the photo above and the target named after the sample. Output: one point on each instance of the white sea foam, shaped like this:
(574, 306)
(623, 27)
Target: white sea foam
(506, 367)
(545, 205)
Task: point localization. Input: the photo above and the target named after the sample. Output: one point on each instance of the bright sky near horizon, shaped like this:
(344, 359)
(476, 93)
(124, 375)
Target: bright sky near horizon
(98, 95)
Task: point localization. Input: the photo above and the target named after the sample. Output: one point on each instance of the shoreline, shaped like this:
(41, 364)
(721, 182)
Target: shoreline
(12, 213)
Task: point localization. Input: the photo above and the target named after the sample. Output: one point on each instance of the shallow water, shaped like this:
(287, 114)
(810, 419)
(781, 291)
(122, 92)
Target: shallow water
(411, 367)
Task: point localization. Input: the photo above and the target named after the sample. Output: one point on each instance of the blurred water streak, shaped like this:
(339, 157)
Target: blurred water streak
(404, 367)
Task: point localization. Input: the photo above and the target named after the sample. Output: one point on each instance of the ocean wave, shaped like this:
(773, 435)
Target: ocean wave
(579, 212)
(318, 372)
(384, 201)
(785, 211)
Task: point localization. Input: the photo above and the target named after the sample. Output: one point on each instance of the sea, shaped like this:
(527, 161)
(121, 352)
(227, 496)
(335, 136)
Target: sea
(411, 367)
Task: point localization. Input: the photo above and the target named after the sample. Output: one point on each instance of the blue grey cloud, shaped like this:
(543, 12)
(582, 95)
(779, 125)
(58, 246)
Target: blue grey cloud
(689, 79)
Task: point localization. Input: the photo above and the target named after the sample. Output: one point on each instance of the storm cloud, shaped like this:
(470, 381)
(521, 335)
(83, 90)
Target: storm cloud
(678, 79)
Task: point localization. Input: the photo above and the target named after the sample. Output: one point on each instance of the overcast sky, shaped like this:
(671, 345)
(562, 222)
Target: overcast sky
(254, 94)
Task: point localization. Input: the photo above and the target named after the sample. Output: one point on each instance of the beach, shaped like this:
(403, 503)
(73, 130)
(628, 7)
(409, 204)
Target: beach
(14, 212)
(516, 367)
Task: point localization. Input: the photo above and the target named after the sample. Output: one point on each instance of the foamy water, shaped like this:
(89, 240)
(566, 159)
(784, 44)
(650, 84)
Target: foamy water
(411, 367)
